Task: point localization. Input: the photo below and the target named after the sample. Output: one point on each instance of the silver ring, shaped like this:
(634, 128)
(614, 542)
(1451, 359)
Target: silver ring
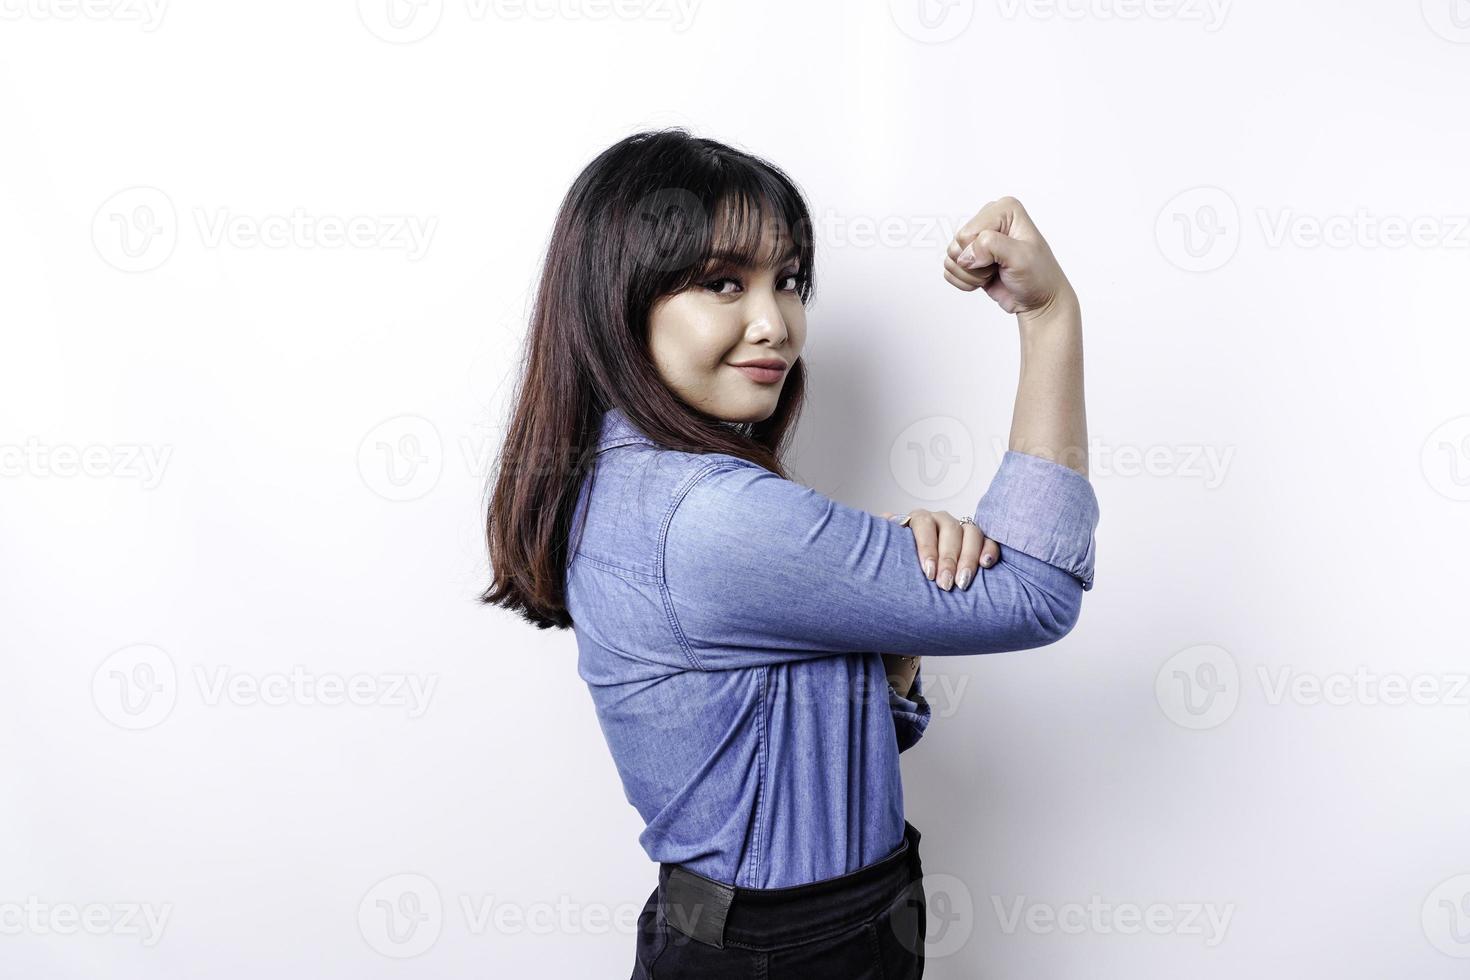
(967, 520)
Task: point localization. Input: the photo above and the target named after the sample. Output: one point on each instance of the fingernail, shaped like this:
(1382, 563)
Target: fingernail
(946, 580)
(967, 257)
(964, 578)
(929, 569)
(987, 561)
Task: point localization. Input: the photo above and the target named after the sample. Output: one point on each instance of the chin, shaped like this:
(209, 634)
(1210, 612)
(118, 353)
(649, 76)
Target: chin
(747, 412)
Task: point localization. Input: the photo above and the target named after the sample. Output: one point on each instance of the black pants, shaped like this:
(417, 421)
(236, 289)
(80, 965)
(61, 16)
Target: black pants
(866, 924)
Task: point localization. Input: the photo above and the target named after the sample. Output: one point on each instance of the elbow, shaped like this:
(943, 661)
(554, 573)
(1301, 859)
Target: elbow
(1046, 615)
(1066, 610)
(1022, 607)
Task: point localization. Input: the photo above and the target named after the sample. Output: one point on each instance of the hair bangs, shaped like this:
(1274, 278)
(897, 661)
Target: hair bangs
(747, 217)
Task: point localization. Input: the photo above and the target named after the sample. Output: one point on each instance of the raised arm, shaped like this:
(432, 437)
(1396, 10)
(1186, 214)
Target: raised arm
(758, 569)
(1001, 251)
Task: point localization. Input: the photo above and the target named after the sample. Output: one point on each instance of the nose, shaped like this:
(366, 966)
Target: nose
(766, 321)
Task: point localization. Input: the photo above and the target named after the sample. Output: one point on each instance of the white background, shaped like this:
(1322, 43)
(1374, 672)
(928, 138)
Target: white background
(228, 458)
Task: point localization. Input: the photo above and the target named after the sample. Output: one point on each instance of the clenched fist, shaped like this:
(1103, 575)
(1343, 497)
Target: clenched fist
(1000, 251)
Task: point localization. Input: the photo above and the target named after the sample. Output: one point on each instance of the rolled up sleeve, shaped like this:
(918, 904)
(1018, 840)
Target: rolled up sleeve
(1044, 509)
(911, 713)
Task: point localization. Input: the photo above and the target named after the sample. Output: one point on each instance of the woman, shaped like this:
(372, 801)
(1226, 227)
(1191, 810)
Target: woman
(748, 642)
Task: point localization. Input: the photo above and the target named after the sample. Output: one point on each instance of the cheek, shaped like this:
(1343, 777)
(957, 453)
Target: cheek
(706, 342)
(796, 326)
(688, 339)
(700, 352)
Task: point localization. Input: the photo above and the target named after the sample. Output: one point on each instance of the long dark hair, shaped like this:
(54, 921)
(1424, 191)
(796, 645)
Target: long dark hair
(638, 224)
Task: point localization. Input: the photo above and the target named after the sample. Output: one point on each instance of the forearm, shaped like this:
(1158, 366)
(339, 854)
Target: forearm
(1050, 416)
(900, 671)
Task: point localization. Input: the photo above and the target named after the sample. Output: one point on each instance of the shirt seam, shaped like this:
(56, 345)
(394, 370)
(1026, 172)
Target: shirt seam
(755, 856)
(610, 567)
(754, 862)
(663, 536)
(621, 441)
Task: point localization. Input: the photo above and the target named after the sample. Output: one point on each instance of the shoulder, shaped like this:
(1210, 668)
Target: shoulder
(631, 493)
(725, 502)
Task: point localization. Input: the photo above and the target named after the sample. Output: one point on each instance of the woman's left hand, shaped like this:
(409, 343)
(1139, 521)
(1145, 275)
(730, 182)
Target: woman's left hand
(949, 550)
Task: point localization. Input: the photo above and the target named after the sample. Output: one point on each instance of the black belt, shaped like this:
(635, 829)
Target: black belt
(697, 906)
(700, 907)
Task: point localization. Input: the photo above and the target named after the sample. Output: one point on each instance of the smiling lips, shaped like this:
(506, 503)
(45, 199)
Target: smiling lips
(766, 370)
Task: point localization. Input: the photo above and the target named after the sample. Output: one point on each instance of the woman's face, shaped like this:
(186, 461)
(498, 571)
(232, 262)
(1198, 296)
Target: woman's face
(733, 316)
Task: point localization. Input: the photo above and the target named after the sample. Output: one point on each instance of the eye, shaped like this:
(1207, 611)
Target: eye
(793, 279)
(713, 285)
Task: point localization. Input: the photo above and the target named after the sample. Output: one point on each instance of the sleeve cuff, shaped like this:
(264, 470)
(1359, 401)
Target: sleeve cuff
(1043, 509)
(910, 714)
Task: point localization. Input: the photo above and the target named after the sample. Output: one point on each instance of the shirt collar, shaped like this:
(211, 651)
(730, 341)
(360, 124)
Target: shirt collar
(617, 430)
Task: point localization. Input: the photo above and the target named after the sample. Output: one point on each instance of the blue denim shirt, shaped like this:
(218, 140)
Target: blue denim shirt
(730, 626)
